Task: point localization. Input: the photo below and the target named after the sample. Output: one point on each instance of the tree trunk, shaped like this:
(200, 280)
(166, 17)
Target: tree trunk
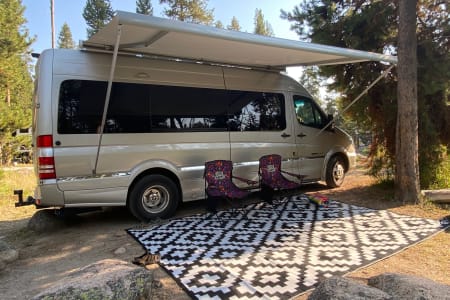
(407, 144)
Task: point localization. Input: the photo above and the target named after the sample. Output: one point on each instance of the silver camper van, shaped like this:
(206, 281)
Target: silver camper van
(164, 120)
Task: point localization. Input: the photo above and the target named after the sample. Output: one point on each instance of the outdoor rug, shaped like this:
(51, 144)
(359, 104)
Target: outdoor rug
(277, 253)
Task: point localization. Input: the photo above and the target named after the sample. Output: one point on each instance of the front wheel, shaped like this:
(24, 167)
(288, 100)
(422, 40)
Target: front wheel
(153, 196)
(335, 173)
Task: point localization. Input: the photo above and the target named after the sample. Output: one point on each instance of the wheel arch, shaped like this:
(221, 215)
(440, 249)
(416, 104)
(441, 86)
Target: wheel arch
(337, 153)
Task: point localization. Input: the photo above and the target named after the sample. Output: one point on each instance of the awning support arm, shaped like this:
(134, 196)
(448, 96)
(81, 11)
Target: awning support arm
(108, 94)
(384, 74)
(147, 43)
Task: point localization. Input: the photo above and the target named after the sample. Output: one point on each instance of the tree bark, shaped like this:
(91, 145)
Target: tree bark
(407, 143)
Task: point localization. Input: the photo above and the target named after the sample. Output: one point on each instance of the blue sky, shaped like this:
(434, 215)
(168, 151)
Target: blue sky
(37, 13)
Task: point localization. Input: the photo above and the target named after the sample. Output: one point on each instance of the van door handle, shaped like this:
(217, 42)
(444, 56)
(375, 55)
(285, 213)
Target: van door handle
(58, 143)
(285, 135)
(301, 135)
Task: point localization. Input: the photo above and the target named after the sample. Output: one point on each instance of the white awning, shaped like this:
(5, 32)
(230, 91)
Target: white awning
(149, 35)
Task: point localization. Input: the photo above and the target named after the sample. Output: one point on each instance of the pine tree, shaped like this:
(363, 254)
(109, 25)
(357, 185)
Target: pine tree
(219, 24)
(372, 26)
(262, 27)
(193, 11)
(97, 13)
(407, 164)
(234, 24)
(144, 7)
(15, 80)
(65, 39)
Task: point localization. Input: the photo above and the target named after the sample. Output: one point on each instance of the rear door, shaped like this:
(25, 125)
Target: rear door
(78, 107)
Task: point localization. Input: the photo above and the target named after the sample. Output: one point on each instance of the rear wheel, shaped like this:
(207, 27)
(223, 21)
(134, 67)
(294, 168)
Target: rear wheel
(335, 174)
(153, 196)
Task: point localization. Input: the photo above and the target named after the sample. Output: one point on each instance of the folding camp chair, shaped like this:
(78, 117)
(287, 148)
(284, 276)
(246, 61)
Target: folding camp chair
(272, 179)
(219, 185)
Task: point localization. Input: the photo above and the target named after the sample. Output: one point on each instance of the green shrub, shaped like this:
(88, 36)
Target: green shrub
(442, 176)
(435, 168)
(380, 164)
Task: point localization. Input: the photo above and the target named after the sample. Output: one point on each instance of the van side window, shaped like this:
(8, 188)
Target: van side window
(140, 108)
(175, 108)
(256, 111)
(308, 112)
(80, 106)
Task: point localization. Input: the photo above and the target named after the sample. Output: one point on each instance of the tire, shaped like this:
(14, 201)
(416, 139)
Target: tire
(335, 173)
(152, 197)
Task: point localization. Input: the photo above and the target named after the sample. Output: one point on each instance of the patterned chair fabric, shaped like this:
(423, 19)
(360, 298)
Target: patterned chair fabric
(218, 177)
(271, 174)
(219, 182)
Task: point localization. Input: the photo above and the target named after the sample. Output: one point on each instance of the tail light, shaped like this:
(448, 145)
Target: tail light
(46, 160)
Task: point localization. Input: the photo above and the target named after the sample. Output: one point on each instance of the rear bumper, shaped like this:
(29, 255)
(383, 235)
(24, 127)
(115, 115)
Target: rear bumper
(47, 194)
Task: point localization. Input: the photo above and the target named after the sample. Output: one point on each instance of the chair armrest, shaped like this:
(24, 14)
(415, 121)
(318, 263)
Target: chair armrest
(247, 181)
(299, 176)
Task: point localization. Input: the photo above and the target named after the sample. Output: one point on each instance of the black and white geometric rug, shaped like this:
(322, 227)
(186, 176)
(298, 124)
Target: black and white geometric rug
(277, 254)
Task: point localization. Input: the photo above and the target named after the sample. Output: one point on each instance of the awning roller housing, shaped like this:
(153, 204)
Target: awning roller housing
(149, 35)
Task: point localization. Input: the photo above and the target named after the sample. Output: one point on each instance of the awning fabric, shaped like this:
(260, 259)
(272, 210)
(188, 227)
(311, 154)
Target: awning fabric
(149, 35)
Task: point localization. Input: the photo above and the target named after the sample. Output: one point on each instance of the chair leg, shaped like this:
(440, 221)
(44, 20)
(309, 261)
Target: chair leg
(213, 212)
(267, 194)
(211, 209)
(237, 208)
(211, 204)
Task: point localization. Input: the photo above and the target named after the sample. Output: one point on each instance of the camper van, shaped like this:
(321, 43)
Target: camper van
(131, 118)
(165, 118)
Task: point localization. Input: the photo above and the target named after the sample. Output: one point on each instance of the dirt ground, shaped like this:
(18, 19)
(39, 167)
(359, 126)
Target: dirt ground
(47, 257)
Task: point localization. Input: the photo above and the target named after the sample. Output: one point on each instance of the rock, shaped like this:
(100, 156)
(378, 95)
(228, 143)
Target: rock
(106, 279)
(120, 250)
(401, 286)
(7, 254)
(340, 288)
(157, 284)
(45, 220)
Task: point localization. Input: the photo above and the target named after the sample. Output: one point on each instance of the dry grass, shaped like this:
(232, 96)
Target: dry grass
(10, 180)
